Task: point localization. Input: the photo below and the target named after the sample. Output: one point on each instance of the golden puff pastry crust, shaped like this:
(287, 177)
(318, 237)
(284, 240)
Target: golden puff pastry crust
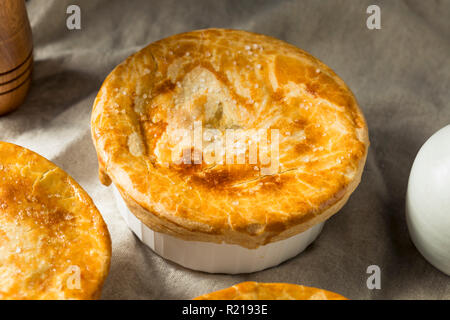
(229, 79)
(54, 243)
(270, 291)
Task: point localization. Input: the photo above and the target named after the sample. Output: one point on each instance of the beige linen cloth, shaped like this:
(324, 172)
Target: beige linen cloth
(399, 74)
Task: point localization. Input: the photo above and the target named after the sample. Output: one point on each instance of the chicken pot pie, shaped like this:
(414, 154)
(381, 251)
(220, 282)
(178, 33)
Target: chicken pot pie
(271, 291)
(54, 243)
(218, 80)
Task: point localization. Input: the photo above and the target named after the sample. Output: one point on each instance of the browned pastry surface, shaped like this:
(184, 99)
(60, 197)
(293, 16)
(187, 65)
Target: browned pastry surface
(271, 291)
(50, 231)
(229, 79)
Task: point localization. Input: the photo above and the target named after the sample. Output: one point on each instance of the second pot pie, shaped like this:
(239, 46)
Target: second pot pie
(228, 79)
(270, 291)
(54, 243)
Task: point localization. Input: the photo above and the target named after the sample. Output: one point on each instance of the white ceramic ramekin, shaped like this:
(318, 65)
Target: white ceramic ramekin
(428, 201)
(213, 257)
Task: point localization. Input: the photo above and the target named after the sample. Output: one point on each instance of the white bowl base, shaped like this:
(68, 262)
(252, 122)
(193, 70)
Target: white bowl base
(213, 257)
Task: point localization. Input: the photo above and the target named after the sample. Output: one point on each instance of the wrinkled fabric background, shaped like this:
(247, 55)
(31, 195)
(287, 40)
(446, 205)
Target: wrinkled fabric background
(399, 74)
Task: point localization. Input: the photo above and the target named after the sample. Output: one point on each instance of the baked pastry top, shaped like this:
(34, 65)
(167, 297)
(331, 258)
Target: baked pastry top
(54, 243)
(228, 79)
(270, 291)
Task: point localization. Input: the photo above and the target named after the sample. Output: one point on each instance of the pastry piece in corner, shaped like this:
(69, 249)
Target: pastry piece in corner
(54, 243)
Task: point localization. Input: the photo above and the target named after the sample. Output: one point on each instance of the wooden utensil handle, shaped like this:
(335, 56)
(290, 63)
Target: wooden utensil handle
(16, 58)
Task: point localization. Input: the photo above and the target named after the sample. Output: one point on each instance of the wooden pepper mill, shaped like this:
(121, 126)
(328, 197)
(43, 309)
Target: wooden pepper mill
(16, 54)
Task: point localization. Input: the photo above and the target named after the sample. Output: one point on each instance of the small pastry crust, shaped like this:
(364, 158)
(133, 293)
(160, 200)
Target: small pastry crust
(229, 79)
(270, 291)
(54, 243)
